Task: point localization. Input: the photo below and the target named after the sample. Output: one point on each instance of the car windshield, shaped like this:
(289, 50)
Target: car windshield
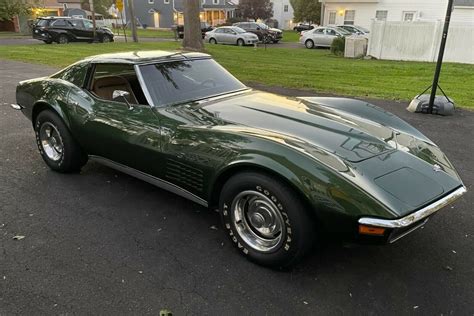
(238, 30)
(343, 31)
(363, 29)
(42, 22)
(177, 82)
(262, 26)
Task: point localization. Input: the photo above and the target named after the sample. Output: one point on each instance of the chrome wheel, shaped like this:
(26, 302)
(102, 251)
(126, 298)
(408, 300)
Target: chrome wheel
(258, 221)
(51, 141)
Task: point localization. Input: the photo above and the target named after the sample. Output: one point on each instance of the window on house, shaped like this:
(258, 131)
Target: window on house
(151, 1)
(332, 17)
(285, 8)
(166, 1)
(381, 15)
(409, 15)
(215, 1)
(349, 17)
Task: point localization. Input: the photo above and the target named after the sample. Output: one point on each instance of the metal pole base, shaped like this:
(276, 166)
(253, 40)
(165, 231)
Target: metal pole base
(441, 105)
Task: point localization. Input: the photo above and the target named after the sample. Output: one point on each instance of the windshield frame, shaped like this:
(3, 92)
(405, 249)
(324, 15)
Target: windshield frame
(147, 93)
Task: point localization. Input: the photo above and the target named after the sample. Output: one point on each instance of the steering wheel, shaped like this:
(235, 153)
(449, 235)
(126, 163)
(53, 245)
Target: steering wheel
(210, 82)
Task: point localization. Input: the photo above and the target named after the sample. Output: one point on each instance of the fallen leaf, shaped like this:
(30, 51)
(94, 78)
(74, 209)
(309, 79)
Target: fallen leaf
(415, 307)
(448, 268)
(305, 303)
(214, 227)
(18, 237)
(454, 251)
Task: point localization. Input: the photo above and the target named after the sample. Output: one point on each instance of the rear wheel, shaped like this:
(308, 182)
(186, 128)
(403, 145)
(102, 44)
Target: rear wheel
(309, 44)
(265, 219)
(240, 42)
(56, 145)
(212, 41)
(63, 39)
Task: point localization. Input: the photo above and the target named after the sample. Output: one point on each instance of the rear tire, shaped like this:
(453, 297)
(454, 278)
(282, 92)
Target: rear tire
(212, 41)
(309, 44)
(63, 39)
(265, 219)
(240, 42)
(58, 148)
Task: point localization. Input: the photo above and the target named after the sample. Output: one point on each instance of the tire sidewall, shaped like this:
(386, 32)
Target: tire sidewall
(290, 209)
(240, 42)
(213, 41)
(310, 42)
(47, 117)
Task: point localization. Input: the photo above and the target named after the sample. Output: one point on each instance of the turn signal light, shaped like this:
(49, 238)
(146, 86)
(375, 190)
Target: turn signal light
(371, 230)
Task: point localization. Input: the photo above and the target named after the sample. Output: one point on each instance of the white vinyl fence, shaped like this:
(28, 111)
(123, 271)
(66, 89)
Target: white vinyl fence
(419, 41)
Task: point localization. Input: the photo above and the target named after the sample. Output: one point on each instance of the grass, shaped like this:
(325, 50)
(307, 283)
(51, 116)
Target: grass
(12, 35)
(149, 33)
(315, 69)
(290, 36)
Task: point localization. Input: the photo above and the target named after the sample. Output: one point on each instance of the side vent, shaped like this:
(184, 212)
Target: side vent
(184, 175)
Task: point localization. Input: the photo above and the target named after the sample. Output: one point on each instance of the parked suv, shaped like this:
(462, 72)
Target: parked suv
(263, 31)
(63, 30)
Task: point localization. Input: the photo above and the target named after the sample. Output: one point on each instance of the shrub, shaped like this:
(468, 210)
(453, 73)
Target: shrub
(338, 46)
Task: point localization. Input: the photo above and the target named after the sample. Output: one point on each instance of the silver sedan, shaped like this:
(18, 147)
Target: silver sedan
(322, 36)
(230, 35)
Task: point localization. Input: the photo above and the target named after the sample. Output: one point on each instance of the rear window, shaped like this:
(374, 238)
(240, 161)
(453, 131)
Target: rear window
(42, 22)
(74, 74)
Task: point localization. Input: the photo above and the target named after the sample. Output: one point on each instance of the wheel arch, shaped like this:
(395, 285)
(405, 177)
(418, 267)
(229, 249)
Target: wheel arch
(280, 172)
(40, 106)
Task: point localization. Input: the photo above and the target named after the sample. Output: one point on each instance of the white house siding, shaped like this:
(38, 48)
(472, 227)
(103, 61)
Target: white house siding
(425, 10)
(285, 19)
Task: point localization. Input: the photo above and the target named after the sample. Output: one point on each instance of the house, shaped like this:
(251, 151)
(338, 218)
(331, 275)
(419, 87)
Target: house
(165, 13)
(283, 14)
(362, 12)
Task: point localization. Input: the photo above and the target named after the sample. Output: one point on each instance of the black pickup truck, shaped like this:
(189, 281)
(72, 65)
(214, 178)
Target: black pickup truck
(204, 28)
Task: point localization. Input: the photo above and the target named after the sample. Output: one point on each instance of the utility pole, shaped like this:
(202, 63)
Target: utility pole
(434, 87)
(91, 4)
(133, 21)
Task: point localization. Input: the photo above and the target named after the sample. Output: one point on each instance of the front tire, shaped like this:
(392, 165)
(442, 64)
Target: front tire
(265, 219)
(106, 39)
(309, 44)
(58, 148)
(63, 39)
(240, 42)
(212, 41)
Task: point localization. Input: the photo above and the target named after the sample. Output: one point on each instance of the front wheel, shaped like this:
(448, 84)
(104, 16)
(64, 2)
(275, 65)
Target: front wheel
(58, 148)
(106, 39)
(265, 219)
(63, 39)
(240, 42)
(48, 41)
(212, 41)
(309, 44)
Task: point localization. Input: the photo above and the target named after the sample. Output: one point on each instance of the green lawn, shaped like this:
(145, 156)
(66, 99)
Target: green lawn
(315, 69)
(160, 33)
(290, 36)
(12, 35)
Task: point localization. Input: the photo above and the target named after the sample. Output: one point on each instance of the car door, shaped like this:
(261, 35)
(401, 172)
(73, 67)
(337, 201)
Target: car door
(318, 36)
(229, 36)
(109, 128)
(329, 37)
(219, 35)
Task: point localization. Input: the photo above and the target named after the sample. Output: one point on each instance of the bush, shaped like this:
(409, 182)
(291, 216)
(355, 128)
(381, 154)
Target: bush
(338, 46)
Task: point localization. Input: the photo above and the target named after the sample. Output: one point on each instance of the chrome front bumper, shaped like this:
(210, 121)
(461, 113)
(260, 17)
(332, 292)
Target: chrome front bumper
(405, 225)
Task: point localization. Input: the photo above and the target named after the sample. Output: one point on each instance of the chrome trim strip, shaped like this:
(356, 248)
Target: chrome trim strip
(392, 240)
(416, 216)
(16, 106)
(150, 179)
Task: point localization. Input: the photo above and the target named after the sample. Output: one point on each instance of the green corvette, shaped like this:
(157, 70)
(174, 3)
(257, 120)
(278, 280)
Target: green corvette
(278, 169)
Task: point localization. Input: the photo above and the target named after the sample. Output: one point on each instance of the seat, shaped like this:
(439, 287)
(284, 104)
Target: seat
(104, 88)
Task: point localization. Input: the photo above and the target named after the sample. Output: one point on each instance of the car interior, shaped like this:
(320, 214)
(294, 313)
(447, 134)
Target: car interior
(109, 78)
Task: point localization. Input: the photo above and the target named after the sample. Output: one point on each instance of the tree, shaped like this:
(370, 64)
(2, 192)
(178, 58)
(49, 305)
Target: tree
(256, 9)
(192, 26)
(12, 8)
(307, 11)
(100, 6)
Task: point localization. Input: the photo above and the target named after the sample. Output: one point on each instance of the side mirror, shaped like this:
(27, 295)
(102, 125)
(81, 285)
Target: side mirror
(118, 95)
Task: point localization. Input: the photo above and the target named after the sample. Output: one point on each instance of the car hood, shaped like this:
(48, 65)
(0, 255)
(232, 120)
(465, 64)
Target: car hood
(275, 30)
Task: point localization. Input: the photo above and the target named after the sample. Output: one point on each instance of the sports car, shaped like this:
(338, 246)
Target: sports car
(280, 170)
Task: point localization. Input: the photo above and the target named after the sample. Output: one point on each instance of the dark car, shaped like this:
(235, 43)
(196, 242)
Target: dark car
(303, 27)
(204, 28)
(278, 169)
(263, 31)
(63, 30)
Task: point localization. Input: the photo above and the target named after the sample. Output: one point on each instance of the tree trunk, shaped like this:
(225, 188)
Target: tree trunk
(192, 26)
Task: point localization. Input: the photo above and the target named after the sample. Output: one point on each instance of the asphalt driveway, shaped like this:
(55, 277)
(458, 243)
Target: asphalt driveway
(101, 242)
